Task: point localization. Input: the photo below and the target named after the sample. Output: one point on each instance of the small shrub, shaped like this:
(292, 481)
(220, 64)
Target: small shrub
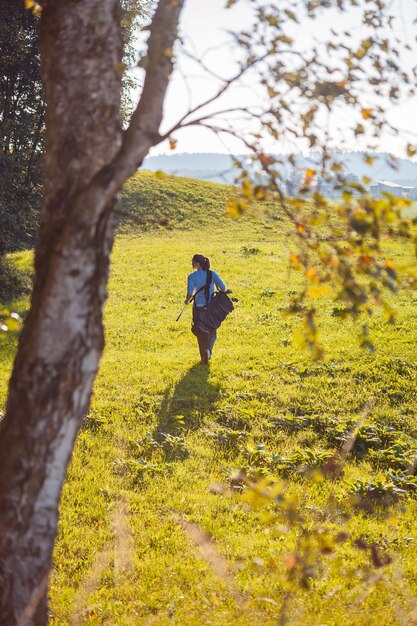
(249, 250)
(174, 447)
(383, 490)
(230, 420)
(267, 293)
(230, 439)
(93, 421)
(13, 282)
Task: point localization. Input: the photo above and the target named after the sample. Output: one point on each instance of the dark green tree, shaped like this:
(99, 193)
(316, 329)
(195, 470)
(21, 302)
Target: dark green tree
(22, 113)
(22, 110)
(134, 14)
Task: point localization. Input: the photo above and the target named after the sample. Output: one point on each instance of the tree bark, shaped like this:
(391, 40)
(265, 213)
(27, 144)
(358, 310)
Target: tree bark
(62, 339)
(87, 160)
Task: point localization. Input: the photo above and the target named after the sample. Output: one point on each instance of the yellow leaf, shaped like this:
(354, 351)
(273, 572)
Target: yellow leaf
(309, 174)
(265, 159)
(247, 188)
(365, 259)
(369, 159)
(315, 291)
(260, 193)
(299, 338)
(285, 39)
(290, 561)
(35, 6)
(312, 274)
(402, 202)
(236, 207)
(172, 143)
(367, 113)
(215, 600)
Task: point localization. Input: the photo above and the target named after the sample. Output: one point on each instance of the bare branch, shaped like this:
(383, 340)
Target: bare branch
(220, 92)
(203, 65)
(199, 120)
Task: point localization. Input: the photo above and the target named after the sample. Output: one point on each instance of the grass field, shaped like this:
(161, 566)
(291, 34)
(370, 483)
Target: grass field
(154, 526)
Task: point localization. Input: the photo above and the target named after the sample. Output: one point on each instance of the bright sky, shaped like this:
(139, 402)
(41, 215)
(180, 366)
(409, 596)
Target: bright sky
(204, 27)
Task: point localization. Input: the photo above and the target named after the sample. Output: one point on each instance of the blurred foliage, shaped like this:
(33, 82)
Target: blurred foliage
(321, 545)
(9, 322)
(339, 234)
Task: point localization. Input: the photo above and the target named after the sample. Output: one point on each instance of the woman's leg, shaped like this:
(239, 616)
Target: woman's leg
(201, 337)
(211, 339)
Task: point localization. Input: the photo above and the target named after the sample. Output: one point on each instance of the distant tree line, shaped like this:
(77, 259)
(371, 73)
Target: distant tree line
(22, 114)
(22, 119)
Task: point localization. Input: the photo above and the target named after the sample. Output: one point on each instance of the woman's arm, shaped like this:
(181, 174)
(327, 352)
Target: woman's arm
(190, 289)
(218, 282)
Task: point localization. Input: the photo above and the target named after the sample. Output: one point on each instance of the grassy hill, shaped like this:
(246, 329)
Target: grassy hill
(181, 203)
(167, 202)
(157, 524)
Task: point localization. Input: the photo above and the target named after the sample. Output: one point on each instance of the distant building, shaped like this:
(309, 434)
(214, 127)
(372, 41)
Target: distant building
(402, 191)
(293, 183)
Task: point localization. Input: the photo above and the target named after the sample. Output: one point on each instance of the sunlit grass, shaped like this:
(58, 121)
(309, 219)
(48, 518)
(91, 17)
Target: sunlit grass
(150, 382)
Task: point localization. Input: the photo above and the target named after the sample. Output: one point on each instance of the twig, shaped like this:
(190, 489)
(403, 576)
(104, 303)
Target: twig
(217, 95)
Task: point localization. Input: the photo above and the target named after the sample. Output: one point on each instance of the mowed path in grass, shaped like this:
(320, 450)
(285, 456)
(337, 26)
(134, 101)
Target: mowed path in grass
(146, 535)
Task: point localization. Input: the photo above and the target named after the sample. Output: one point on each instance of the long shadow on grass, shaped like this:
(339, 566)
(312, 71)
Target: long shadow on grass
(184, 407)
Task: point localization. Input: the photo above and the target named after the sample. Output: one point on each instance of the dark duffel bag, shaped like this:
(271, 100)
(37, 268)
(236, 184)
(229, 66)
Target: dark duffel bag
(215, 312)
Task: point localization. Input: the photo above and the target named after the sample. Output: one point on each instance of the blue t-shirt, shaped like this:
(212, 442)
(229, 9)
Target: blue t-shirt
(198, 279)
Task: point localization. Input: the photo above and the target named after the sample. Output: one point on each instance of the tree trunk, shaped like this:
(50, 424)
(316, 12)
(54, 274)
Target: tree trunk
(87, 161)
(62, 340)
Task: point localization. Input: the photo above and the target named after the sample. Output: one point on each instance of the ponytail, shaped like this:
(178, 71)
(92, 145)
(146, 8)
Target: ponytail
(202, 260)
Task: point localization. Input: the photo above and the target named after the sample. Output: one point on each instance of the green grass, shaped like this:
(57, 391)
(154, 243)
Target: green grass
(134, 497)
(177, 202)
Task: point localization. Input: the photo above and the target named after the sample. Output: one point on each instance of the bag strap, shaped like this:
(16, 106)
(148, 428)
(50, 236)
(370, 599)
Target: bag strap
(206, 287)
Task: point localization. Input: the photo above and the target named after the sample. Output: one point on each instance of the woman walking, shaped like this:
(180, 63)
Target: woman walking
(200, 289)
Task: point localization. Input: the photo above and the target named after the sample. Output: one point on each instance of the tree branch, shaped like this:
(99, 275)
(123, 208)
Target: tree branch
(196, 122)
(222, 90)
